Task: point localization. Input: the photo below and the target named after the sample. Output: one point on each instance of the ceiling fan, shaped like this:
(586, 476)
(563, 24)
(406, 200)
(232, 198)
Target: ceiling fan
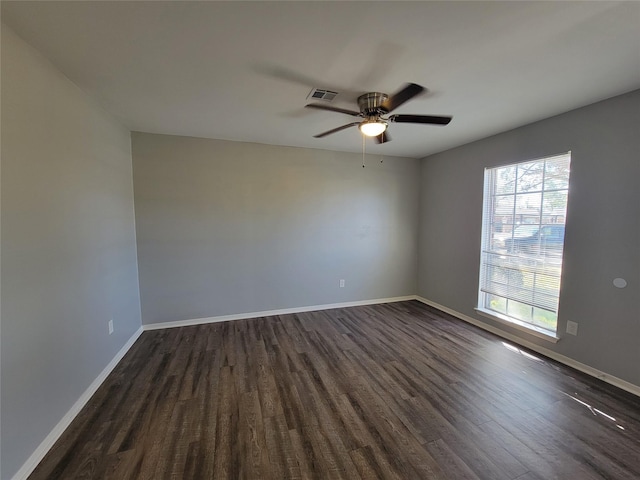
(374, 106)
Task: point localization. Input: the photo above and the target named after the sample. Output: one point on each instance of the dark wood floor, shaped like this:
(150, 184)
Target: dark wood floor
(398, 391)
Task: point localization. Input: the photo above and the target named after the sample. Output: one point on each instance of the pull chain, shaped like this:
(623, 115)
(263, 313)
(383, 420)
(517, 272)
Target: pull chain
(363, 149)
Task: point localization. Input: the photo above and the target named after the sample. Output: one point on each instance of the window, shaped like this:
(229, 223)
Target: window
(523, 223)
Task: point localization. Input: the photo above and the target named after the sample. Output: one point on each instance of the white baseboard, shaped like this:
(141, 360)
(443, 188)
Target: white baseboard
(37, 456)
(269, 313)
(605, 377)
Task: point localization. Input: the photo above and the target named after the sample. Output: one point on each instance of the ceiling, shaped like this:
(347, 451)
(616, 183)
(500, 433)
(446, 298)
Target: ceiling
(243, 70)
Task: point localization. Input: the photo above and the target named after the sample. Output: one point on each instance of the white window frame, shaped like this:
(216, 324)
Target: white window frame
(531, 278)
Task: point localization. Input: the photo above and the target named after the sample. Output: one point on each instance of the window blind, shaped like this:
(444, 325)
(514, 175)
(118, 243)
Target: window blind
(523, 228)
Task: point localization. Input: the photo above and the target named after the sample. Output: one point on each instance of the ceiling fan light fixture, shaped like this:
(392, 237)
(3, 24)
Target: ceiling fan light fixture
(373, 128)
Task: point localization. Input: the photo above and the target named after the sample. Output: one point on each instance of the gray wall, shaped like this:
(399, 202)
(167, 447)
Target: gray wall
(602, 235)
(68, 247)
(228, 227)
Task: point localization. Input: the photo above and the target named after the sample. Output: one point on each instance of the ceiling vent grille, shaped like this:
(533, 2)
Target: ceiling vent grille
(322, 94)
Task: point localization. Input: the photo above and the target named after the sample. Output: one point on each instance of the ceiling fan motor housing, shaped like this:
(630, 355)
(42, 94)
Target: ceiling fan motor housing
(370, 103)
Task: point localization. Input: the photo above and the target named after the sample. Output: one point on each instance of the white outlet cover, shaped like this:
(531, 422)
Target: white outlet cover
(572, 328)
(619, 282)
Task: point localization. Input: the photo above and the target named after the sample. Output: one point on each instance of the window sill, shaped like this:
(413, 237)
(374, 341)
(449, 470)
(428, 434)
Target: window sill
(522, 326)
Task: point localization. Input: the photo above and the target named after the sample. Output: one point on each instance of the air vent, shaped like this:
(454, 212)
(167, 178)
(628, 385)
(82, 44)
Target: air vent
(321, 94)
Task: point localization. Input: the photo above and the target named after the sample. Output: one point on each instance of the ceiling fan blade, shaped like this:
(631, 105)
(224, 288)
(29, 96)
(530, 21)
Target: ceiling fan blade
(409, 91)
(319, 106)
(343, 127)
(384, 137)
(430, 119)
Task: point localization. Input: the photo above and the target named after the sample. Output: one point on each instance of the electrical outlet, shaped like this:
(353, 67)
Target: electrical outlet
(110, 326)
(572, 328)
(342, 283)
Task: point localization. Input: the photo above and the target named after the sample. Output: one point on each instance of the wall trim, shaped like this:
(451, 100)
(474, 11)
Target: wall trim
(36, 457)
(269, 313)
(584, 368)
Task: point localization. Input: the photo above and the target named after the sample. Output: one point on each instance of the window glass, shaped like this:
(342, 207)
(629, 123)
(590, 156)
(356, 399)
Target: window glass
(523, 231)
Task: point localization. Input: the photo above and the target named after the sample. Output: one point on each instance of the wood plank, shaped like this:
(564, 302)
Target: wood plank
(397, 391)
